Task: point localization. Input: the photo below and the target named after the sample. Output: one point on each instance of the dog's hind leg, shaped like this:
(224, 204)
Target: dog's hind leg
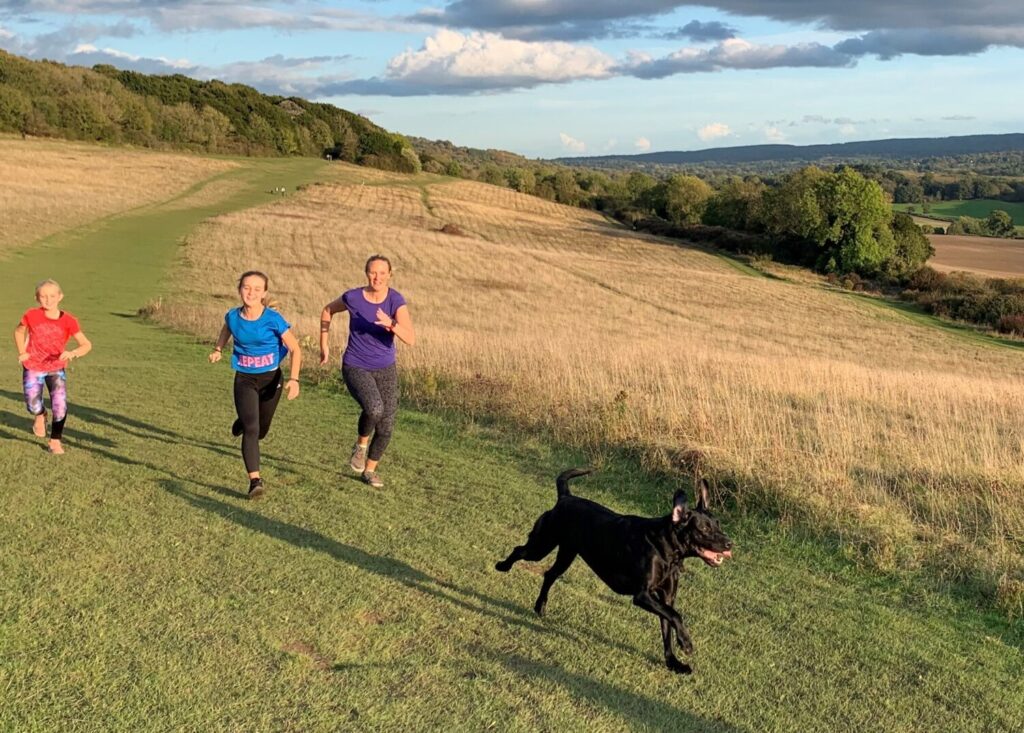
(538, 545)
(563, 560)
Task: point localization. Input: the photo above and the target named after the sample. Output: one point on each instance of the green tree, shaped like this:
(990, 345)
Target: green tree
(686, 198)
(911, 247)
(857, 216)
(737, 205)
(793, 209)
(999, 223)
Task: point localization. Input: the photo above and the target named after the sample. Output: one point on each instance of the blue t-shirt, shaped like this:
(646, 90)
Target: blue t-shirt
(369, 346)
(258, 346)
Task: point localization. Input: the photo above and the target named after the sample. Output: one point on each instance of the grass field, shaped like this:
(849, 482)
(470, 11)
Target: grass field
(142, 592)
(977, 208)
(60, 185)
(903, 440)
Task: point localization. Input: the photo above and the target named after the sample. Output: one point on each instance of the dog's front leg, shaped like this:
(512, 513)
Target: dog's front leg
(671, 661)
(645, 600)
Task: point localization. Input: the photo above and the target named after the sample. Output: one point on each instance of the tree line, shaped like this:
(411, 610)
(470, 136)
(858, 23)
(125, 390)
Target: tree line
(105, 104)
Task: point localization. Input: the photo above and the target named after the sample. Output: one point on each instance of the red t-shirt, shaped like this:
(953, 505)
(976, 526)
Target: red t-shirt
(47, 338)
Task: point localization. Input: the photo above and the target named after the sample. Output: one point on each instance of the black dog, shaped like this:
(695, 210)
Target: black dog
(634, 556)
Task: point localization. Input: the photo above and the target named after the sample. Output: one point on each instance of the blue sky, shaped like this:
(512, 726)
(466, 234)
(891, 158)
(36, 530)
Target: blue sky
(547, 78)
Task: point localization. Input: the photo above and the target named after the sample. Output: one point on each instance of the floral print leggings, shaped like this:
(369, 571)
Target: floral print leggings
(56, 382)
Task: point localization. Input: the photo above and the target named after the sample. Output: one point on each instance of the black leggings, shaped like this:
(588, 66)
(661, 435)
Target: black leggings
(256, 398)
(376, 391)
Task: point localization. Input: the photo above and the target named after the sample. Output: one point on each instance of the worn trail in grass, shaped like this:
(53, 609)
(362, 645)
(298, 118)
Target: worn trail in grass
(142, 591)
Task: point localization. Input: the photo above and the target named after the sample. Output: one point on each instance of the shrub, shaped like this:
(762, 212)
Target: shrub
(1011, 324)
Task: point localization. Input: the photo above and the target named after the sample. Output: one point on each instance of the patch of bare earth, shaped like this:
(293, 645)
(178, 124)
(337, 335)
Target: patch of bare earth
(988, 256)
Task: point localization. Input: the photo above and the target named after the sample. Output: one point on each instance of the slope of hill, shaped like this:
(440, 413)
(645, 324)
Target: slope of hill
(892, 149)
(141, 586)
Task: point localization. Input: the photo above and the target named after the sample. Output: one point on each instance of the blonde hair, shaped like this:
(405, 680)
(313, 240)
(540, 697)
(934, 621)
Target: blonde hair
(46, 282)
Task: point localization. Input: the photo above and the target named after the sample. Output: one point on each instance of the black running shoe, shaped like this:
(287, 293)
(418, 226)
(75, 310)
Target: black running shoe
(256, 488)
(236, 428)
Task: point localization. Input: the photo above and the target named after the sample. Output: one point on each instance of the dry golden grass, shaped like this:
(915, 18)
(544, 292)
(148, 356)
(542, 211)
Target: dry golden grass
(903, 438)
(987, 256)
(57, 185)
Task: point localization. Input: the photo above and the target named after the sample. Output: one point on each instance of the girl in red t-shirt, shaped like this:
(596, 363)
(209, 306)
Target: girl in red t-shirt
(41, 338)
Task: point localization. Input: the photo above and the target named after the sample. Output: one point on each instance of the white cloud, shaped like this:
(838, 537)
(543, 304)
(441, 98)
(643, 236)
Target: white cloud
(714, 130)
(611, 143)
(448, 56)
(847, 130)
(642, 143)
(87, 49)
(774, 134)
(571, 143)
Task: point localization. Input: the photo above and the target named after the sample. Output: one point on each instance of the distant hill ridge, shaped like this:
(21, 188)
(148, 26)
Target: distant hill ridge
(917, 147)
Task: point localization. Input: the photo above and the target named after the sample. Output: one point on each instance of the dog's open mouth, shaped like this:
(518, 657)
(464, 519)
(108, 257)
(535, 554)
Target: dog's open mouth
(712, 557)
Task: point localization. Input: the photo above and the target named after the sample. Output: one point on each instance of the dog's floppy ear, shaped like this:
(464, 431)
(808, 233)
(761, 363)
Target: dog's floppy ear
(701, 490)
(680, 512)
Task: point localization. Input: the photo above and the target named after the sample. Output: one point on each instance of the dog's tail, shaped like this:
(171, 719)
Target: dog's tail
(563, 479)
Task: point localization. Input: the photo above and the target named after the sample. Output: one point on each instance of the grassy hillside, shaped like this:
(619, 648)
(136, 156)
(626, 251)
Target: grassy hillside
(142, 591)
(902, 440)
(63, 185)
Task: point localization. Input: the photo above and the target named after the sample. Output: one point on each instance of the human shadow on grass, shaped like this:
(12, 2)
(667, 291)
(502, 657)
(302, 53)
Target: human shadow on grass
(465, 598)
(642, 711)
(146, 431)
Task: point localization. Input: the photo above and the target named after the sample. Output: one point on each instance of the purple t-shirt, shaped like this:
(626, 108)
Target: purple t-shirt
(369, 346)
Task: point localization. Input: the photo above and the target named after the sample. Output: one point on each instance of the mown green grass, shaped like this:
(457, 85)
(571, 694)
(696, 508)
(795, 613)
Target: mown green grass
(977, 208)
(141, 591)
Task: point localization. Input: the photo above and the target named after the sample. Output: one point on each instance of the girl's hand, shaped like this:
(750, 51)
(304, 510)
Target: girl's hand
(292, 387)
(64, 356)
(325, 356)
(214, 356)
(24, 357)
(384, 320)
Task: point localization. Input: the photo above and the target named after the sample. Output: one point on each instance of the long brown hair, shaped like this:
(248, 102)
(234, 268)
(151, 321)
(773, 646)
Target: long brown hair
(267, 301)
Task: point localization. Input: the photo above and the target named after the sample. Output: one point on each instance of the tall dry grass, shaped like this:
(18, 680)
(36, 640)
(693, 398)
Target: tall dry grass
(52, 185)
(902, 439)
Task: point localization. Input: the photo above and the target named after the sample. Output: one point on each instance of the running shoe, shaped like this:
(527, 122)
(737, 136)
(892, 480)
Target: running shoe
(371, 478)
(256, 488)
(358, 460)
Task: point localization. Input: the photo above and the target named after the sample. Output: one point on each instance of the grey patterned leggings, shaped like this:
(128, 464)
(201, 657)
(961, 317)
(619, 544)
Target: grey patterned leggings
(376, 391)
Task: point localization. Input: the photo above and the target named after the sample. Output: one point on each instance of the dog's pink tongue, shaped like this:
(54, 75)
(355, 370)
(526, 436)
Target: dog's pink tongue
(727, 553)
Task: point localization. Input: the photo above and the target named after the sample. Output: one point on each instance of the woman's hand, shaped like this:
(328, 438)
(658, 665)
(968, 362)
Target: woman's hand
(24, 357)
(292, 387)
(384, 320)
(325, 356)
(214, 356)
(66, 356)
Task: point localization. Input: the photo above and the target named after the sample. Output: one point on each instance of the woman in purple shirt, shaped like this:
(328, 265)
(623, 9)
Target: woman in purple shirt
(376, 315)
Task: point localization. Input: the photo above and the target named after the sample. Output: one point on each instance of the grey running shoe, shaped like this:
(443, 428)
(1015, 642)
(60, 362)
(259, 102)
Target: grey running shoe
(358, 460)
(371, 478)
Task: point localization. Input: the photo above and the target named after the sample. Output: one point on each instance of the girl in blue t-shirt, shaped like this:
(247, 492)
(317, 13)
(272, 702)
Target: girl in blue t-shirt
(262, 338)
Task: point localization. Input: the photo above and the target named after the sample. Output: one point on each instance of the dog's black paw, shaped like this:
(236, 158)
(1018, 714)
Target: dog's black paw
(678, 667)
(503, 566)
(538, 608)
